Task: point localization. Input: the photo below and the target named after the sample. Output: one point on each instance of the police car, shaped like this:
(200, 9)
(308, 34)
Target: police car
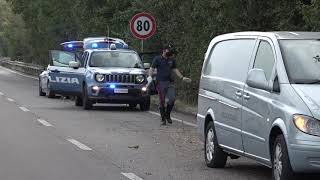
(75, 47)
(103, 42)
(107, 75)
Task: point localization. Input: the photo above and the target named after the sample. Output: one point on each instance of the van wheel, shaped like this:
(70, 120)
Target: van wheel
(281, 167)
(87, 103)
(78, 101)
(214, 155)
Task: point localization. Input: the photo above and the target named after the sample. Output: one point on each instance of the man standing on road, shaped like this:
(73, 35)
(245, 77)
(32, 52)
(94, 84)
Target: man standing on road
(165, 66)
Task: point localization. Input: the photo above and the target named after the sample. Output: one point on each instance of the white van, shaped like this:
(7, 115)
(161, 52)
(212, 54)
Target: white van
(259, 97)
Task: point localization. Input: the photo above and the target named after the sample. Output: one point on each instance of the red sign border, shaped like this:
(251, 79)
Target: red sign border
(154, 24)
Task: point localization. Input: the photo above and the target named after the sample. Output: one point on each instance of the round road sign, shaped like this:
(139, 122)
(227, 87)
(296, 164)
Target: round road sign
(143, 25)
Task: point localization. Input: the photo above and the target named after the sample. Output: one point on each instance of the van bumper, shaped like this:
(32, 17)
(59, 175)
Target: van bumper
(304, 156)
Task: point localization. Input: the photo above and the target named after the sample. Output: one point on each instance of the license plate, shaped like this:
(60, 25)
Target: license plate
(121, 91)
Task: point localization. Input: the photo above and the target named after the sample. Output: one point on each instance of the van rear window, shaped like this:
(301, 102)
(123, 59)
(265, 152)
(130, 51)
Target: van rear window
(230, 59)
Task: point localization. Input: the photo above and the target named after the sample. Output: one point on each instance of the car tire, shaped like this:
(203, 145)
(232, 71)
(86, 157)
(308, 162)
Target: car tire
(281, 167)
(78, 101)
(132, 105)
(145, 105)
(41, 93)
(215, 157)
(49, 93)
(87, 103)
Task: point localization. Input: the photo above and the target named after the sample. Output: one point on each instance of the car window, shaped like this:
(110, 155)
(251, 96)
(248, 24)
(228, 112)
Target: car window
(115, 59)
(62, 58)
(85, 58)
(265, 59)
(302, 60)
(230, 59)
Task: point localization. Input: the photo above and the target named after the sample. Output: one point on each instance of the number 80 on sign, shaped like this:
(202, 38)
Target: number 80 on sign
(143, 25)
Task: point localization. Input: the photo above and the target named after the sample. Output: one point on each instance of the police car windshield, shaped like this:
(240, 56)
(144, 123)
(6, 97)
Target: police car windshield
(115, 59)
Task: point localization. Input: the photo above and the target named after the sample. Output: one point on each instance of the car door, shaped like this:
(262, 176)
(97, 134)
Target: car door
(222, 86)
(256, 103)
(63, 79)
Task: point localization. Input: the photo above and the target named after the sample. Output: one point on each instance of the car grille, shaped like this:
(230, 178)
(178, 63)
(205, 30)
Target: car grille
(120, 78)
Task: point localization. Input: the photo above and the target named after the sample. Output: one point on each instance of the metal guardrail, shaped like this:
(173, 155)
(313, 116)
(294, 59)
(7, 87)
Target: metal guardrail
(27, 68)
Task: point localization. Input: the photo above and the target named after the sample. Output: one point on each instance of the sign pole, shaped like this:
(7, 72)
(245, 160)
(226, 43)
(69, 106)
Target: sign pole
(142, 46)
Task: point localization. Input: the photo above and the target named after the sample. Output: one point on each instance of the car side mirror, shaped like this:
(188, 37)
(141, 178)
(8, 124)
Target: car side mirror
(257, 79)
(146, 65)
(74, 64)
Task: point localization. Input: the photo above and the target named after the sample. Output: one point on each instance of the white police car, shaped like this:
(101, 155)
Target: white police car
(108, 75)
(75, 47)
(103, 42)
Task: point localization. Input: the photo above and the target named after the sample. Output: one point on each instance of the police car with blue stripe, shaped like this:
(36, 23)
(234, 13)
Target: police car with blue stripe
(75, 47)
(107, 75)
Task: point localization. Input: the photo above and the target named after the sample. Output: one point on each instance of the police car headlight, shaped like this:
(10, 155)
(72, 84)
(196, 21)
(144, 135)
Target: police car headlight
(140, 79)
(100, 77)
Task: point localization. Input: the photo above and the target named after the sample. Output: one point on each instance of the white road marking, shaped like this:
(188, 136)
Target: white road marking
(1, 94)
(131, 176)
(11, 100)
(45, 123)
(21, 74)
(175, 119)
(24, 109)
(79, 145)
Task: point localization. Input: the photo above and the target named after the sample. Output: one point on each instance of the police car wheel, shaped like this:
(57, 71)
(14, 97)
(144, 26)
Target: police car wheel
(132, 106)
(78, 101)
(87, 103)
(49, 93)
(41, 93)
(145, 106)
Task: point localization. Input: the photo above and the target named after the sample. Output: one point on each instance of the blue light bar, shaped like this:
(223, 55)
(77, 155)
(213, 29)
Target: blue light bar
(94, 45)
(112, 86)
(70, 45)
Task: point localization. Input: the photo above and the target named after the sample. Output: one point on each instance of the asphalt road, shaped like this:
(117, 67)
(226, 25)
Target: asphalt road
(51, 139)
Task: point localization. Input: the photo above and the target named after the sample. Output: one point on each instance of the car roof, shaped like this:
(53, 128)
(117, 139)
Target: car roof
(101, 39)
(71, 42)
(297, 35)
(109, 50)
(280, 34)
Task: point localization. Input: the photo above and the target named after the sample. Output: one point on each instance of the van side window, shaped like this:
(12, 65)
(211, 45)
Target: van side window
(230, 59)
(265, 58)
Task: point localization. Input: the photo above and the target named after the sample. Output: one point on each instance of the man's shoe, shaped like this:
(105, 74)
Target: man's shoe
(163, 123)
(168, 112)
(169, 119)
(163, 116)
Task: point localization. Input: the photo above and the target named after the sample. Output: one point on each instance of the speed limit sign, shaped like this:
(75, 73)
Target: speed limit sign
(143, 25)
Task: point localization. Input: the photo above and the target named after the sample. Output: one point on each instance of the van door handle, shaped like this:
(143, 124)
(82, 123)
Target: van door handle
(238, 93)
(246, 96)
